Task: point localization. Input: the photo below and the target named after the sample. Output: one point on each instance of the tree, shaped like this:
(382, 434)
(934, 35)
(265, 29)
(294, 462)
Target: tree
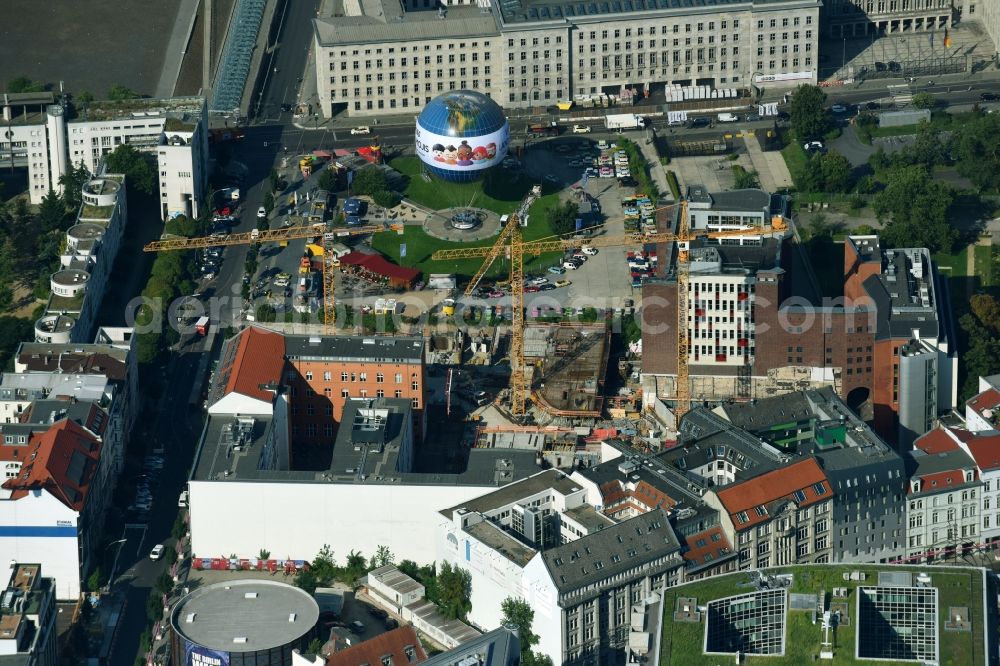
(84, 97)
(22, 84)
(836, 171)
(324, 567)
(306, 580)
(386, 198)
(924, 100)
(454, 592)
(918, 207)
(976, 147)
(120, 93)
(268, 203)
(95, 580)
(135, 165)
(519, 614)
(355, 566)
(266, 313)
(327, 180)
(13, 330)
(72, 183)
(52, 211)
(164, 583)
(315, 645)
(562, 217)
(6, 297)
(987, 311)
(369, 179)
(745, 179)
(383, 557)
(809, 115)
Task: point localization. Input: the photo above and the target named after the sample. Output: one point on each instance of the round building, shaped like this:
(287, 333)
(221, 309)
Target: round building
(460, 134)
(242, 623)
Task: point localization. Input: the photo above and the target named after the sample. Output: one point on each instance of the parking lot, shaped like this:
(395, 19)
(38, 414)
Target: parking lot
(603, 280)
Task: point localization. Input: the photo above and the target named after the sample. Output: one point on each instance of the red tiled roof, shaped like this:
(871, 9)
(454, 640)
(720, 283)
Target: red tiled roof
(940, 441)
(61, 460)
(772, 486)
(378, 264)
(644, 497)
(259, 359)
(985, 450)
(942, 480)
(392, 643)
(988, 399)
(717, 549)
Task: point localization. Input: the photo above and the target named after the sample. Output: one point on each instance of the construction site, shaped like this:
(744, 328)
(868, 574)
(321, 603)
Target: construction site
(568, 363)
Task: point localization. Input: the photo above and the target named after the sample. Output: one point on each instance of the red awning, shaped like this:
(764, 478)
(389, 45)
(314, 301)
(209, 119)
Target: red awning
(378, 264)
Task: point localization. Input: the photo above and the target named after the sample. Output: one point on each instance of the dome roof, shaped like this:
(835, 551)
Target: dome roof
(462, 113)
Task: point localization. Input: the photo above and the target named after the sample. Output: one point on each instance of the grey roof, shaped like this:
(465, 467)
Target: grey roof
(603, 555)
(385, 22)
(905, 295)
(500, 541)
(920, 463)
(375, 348)
(590, 518)
(485, 467)
(742, 259)
(750, 199)
(214, 615)
(521, 11)
(369, 438)
(395, 579)
(500, 648)
(549, 479)
(705, 437)
(51, 411)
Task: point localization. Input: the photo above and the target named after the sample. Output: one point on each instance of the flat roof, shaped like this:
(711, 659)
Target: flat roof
(524, 11)
(550, 479)
(383, 22)
(746, 200)
(140, 108)
(371, 348)
(263, 613)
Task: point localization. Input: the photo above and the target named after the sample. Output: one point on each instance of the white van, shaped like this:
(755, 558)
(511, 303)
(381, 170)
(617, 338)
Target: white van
(728, 117)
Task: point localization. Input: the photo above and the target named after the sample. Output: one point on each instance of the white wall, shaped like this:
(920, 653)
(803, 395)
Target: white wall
(237, 403)
(540, 592)
(294, 520)
(494, 577)
(56, 552)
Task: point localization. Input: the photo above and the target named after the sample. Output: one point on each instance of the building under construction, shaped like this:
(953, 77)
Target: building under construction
(568, 363)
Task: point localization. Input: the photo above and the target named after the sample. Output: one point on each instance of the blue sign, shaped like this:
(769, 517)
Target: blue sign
(350, 177)
(196, 655)
(579, 224)
(402, 250)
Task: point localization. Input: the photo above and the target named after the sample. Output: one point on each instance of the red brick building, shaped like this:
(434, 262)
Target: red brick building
(879, 346)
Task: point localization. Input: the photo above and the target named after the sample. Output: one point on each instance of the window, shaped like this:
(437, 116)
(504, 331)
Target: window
(343, 376)
(819, 488)
(344, 393)
(399, 378)
(379, 378)
(309, 376)
(327, 376)
(743, 517)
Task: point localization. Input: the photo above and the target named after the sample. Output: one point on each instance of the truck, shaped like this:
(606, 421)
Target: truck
(624, 121)
(550, 128)
(201, 326)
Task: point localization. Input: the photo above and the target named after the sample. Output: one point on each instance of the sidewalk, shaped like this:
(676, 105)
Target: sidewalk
(656, 170)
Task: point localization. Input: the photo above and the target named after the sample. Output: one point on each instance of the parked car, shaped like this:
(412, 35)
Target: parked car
(531, 289)
(557, 270)
(546, 287)
(563, 283)
(810, 146)
(357, 626)
(570, 266)
(581, 129)
(838, 108)
(695, 123)
(989, 97)
(157, 552)
(589, 251)
(495, 293)
(752, 117)
(536, 281)
(261, 213)
(361, 129)
(377, 612)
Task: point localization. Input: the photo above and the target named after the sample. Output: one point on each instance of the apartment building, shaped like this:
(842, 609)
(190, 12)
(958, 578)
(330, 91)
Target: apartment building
(382, 57)
(28, 618)
(861, 18)
(784, 516)
(88, 255)
(734, 209)
(42, 139)
(943, 499)
(868, 478)
(887, 347)
(582, 589)
(981, 410)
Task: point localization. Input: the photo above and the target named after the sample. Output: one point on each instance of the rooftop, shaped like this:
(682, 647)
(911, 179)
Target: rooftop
(386, 349)
(524, 11)
(385, 20)
(905, 295)
(401, 645)
(61, 460)
(753, 501)
(714, 257)
(392, 577)
(500, 647)
(940, 472)
(599, 557)
(550, 479)
(682, 641)
(108, 360)
(244, 615)
(747, 200)
(501, 541)
(251, 359)
(142, 108)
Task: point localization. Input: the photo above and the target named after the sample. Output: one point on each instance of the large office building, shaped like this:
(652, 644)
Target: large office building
(331, 424)
(38, 136)
(887, 346)
(861, 18)
(582, 573)
(28, 618)
(384, 57)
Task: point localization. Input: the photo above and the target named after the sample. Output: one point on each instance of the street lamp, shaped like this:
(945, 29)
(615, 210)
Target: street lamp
(114, 566)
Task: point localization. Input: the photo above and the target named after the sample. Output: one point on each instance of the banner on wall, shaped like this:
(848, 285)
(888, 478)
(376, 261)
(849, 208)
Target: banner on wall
(196, 655)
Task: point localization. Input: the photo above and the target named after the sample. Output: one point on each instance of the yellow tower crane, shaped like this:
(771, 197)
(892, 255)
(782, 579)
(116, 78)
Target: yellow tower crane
(511, 240)
(316, 231)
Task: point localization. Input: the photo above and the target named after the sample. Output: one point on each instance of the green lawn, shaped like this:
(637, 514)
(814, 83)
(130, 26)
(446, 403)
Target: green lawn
(795, 159)
(940, 120)
(681, 642)
(500, 192)
(984, 265)
(953, 265)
